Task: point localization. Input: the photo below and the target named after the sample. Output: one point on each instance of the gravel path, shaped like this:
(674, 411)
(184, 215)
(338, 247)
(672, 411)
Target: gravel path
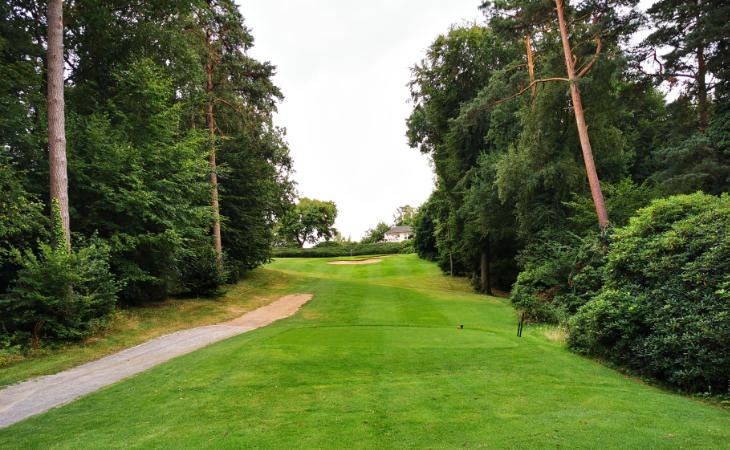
(40, 394)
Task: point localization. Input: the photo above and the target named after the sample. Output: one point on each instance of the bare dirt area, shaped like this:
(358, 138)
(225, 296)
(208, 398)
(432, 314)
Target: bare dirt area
(356, 262)
(284, 307)
(40, 394)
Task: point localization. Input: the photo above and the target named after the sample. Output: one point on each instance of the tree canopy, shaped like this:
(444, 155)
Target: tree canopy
(495, 109)
(144, 84)
(309, 221)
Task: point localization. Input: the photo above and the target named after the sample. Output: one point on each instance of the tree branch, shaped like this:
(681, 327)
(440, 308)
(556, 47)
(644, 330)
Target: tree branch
(509, 69)
(220, 100)
(661, 67)
(585, 70)
(683, 75)
(579, 19)
(522, 91)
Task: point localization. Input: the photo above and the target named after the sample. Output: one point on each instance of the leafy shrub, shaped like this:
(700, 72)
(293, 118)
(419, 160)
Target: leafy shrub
(424, 227)
(547, 263)
(588, 272)
(22, 222)
(356, 249)
(201, 274)
(664, 310)
(8, 350)
(408, 246)
(61, 295)
(328, 244)
(560, 276)
(622, 199)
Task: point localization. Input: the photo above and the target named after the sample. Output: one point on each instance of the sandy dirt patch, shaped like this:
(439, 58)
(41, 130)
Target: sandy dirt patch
(284, 307)
(40, 394)
(557, 335)
(356, 262)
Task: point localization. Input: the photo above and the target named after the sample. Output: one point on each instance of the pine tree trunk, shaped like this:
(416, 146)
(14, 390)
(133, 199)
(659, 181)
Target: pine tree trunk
(489, 272)
(483, 269)
(56, 119)
(451, 257)
(530, 66)
(484, 279)
(213, 174)
(483, 266)
(581, 123)
(702, 103)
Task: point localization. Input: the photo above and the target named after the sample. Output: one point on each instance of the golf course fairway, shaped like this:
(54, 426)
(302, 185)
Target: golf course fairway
(375, 359)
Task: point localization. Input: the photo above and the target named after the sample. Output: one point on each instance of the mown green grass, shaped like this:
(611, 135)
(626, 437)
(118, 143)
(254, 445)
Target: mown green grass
(385, 366)
(131, 326)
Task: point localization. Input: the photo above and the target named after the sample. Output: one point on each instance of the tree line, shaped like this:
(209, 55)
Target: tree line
(176, 173)
(558, 154)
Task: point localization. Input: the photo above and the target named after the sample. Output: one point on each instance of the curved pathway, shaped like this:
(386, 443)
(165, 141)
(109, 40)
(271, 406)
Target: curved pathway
(40, 394)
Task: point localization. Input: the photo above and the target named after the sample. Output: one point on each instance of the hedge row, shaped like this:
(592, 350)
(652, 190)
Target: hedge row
(354, 249)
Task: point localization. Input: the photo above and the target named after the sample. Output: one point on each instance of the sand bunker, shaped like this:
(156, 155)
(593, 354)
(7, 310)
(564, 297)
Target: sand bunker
(358, 261)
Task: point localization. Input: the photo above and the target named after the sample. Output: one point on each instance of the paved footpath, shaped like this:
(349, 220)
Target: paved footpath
(35, 396)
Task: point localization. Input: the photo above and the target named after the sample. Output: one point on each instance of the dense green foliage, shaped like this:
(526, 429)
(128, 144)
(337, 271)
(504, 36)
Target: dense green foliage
(309, 221)
(63, 295)
(563, 270)
(404, 215)
(385, 367)
(511, 202)
(60, 295)
(347, 249)
(21, 222)
(376, 234)
(137, 103)
(663, 310)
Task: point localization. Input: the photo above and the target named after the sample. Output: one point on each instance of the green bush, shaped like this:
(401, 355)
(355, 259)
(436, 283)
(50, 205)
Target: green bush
(22, 222)
(354, 249)
(61, 295)
(546, 267)
(328, 244)
(587, 273)
(408, 246)
(201, 273)
(664, 310)
(560, 276)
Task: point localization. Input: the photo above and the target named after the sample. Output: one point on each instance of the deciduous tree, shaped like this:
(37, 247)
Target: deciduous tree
(309, 221)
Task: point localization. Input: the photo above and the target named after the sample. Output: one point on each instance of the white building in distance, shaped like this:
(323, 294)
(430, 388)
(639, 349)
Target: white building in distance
(398, 234)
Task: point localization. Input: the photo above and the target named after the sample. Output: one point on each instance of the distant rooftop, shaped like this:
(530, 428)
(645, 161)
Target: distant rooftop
(401, 229)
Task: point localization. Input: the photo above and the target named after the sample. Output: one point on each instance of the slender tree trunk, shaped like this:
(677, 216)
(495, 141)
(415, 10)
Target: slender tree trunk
(489, 271)
(580, 121)
(484, 283)
(211, 135)
(530, 66)
(37, 334)
(56, 118)
(702, 103)
(451, 256)
(484, 279)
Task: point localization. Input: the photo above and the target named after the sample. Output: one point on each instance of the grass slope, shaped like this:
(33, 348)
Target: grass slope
(384, 367)
(135, 325)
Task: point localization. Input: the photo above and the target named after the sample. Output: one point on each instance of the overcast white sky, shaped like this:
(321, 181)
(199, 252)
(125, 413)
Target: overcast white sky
(343, 66)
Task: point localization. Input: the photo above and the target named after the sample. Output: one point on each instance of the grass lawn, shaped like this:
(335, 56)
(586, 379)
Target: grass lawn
(133, 326)
(385, 366)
